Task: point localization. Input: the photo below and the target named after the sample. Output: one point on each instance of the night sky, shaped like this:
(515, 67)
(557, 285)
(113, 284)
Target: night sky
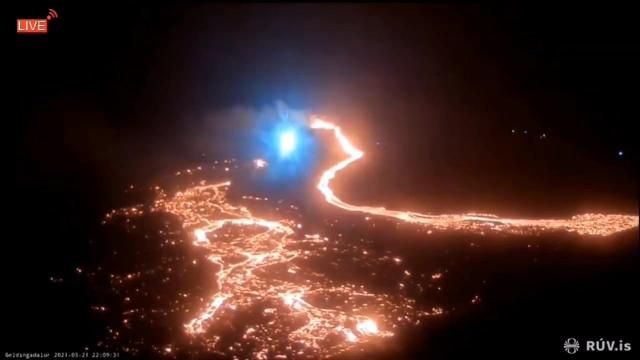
(516, 110)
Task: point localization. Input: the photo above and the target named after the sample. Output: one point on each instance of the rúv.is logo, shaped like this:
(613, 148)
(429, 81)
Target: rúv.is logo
(572, 345)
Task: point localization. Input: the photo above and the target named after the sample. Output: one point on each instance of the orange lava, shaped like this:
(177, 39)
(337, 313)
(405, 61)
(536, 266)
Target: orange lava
(258, 269)
(585, 224)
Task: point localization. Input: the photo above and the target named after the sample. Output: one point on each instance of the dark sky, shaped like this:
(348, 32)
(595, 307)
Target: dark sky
(119, 94)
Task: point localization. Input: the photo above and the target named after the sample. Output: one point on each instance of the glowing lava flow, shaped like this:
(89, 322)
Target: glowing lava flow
(586, 224)
(289, 310)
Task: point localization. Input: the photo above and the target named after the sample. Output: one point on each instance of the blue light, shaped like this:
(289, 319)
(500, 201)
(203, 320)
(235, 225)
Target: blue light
(287, 142)
(289, 147)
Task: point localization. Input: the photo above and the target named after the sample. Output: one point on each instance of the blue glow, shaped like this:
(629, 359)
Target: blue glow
(282, 138)
(287, 142)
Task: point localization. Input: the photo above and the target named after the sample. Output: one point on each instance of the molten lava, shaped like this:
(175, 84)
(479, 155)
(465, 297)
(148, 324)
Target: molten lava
(586, 224)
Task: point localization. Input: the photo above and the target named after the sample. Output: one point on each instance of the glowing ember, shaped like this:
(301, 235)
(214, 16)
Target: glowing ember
(260, 163)
(367, 327)
(201, 236)
(586, 224)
